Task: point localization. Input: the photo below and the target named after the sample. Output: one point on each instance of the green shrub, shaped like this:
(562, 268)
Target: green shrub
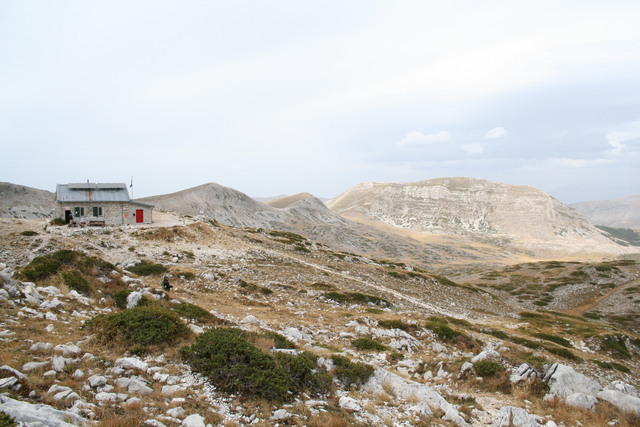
(397, 324)
(442, 330)
(562, 352)
(301, 370)
(367, 344)
(612, 365)
(74, 280)
(57, 221)
(233, 365)
(6, 420)
(120, 298)
(351, 373)
(374, 310)
(487, 368)
(356, 298)
(146, 268)
(554, 338)
(47, 265)
(192, 312)
(615, 344)
(140, 326)
(279, 340)
(496, 333)
(28, 233)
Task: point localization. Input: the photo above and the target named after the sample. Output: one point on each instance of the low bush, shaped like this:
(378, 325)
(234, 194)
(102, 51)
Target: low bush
(120, 298)
(442, 330)
(351, 373)
(615, 344)
(279, 340)
(73, 279)
(146, 268)
(234, 365)
(612, 365)
(397, 324)
(6, 420)
(302, 373)
(367, 344)
(487, 368)
(193, 312)
(186, 275)
(44, 266)
(562, 352)
(28, 233)
(554, 338)
(57, 221)
(140, 326)
(356, 298)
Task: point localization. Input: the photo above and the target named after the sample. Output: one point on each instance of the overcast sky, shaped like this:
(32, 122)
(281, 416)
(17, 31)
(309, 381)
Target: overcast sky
(273, 97)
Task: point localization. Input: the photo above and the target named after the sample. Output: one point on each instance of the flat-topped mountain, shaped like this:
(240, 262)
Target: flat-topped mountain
(528, 217)
(19, 201)
(619, 213)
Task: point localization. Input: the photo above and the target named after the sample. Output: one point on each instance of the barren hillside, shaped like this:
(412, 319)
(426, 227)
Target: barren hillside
(619, 213)
(19, 201)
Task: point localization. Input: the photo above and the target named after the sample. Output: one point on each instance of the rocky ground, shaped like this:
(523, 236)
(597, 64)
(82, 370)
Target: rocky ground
(434, 351)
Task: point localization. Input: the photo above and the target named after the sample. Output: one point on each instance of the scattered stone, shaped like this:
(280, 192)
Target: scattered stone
(133, 299)
(40, 347)
(32, 366)
(97, 380)
(563, 381)
(68, 349)
(522, 373)
(39, 414)
(194, 420)
(621, 400)
(131, 363)
(171, 389)
(511, 416)
(14, 372)
(176, 412)
(349, 404)
(620, 386)
(581, 400)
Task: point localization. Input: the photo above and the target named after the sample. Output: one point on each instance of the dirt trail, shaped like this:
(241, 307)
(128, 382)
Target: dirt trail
(581, 309)
(383, 289)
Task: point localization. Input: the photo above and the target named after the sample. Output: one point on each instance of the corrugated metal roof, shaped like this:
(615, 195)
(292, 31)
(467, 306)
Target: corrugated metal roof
(92, 192)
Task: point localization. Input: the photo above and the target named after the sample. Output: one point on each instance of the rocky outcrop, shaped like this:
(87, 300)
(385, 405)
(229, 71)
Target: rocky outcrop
(39, 415)
(564, 381)
(19, 201)
(527, 217)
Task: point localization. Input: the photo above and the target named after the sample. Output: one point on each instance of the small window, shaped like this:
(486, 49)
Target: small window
(78, 212)
(97, 211)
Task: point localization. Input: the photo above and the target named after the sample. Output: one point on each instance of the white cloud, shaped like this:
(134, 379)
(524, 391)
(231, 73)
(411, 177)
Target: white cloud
(473, 148)
(418, 138)
(495, 133)
(617, 139)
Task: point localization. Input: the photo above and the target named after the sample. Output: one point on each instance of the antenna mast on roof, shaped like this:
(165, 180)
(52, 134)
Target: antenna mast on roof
(131, 187)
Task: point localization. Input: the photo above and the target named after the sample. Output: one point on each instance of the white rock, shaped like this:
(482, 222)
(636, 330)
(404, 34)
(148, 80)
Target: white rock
(106, 397)
(250, 320)
(154, 423)
(296, 335)
(196, 329)
(171, 389)
(79, 297)
(131, 363)
(31, 366)
(139, 387)
(49, 328)
(50, 316)
(623, 387)
(466, 367)
(349, 404)
(621, 400)
(424, 396)
(68, 349)
(437, 347)
(40, 347)
(97, 380)
(50, 373)
(133, 299)
(522, 373)
(511, 416)
(194, 420)
(581, 400)
(133, 401)
(8, 382)
(79, 373)
(488, 353)
(14, 372)
(51, 291)
(49, 304)
(58, 363)
(38, 414)
(176, 412)
(563, 380)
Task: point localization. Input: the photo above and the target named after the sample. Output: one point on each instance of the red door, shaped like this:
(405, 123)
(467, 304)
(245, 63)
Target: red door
(139, 215)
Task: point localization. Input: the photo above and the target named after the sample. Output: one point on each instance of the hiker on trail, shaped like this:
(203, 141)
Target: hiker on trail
(165, 284)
